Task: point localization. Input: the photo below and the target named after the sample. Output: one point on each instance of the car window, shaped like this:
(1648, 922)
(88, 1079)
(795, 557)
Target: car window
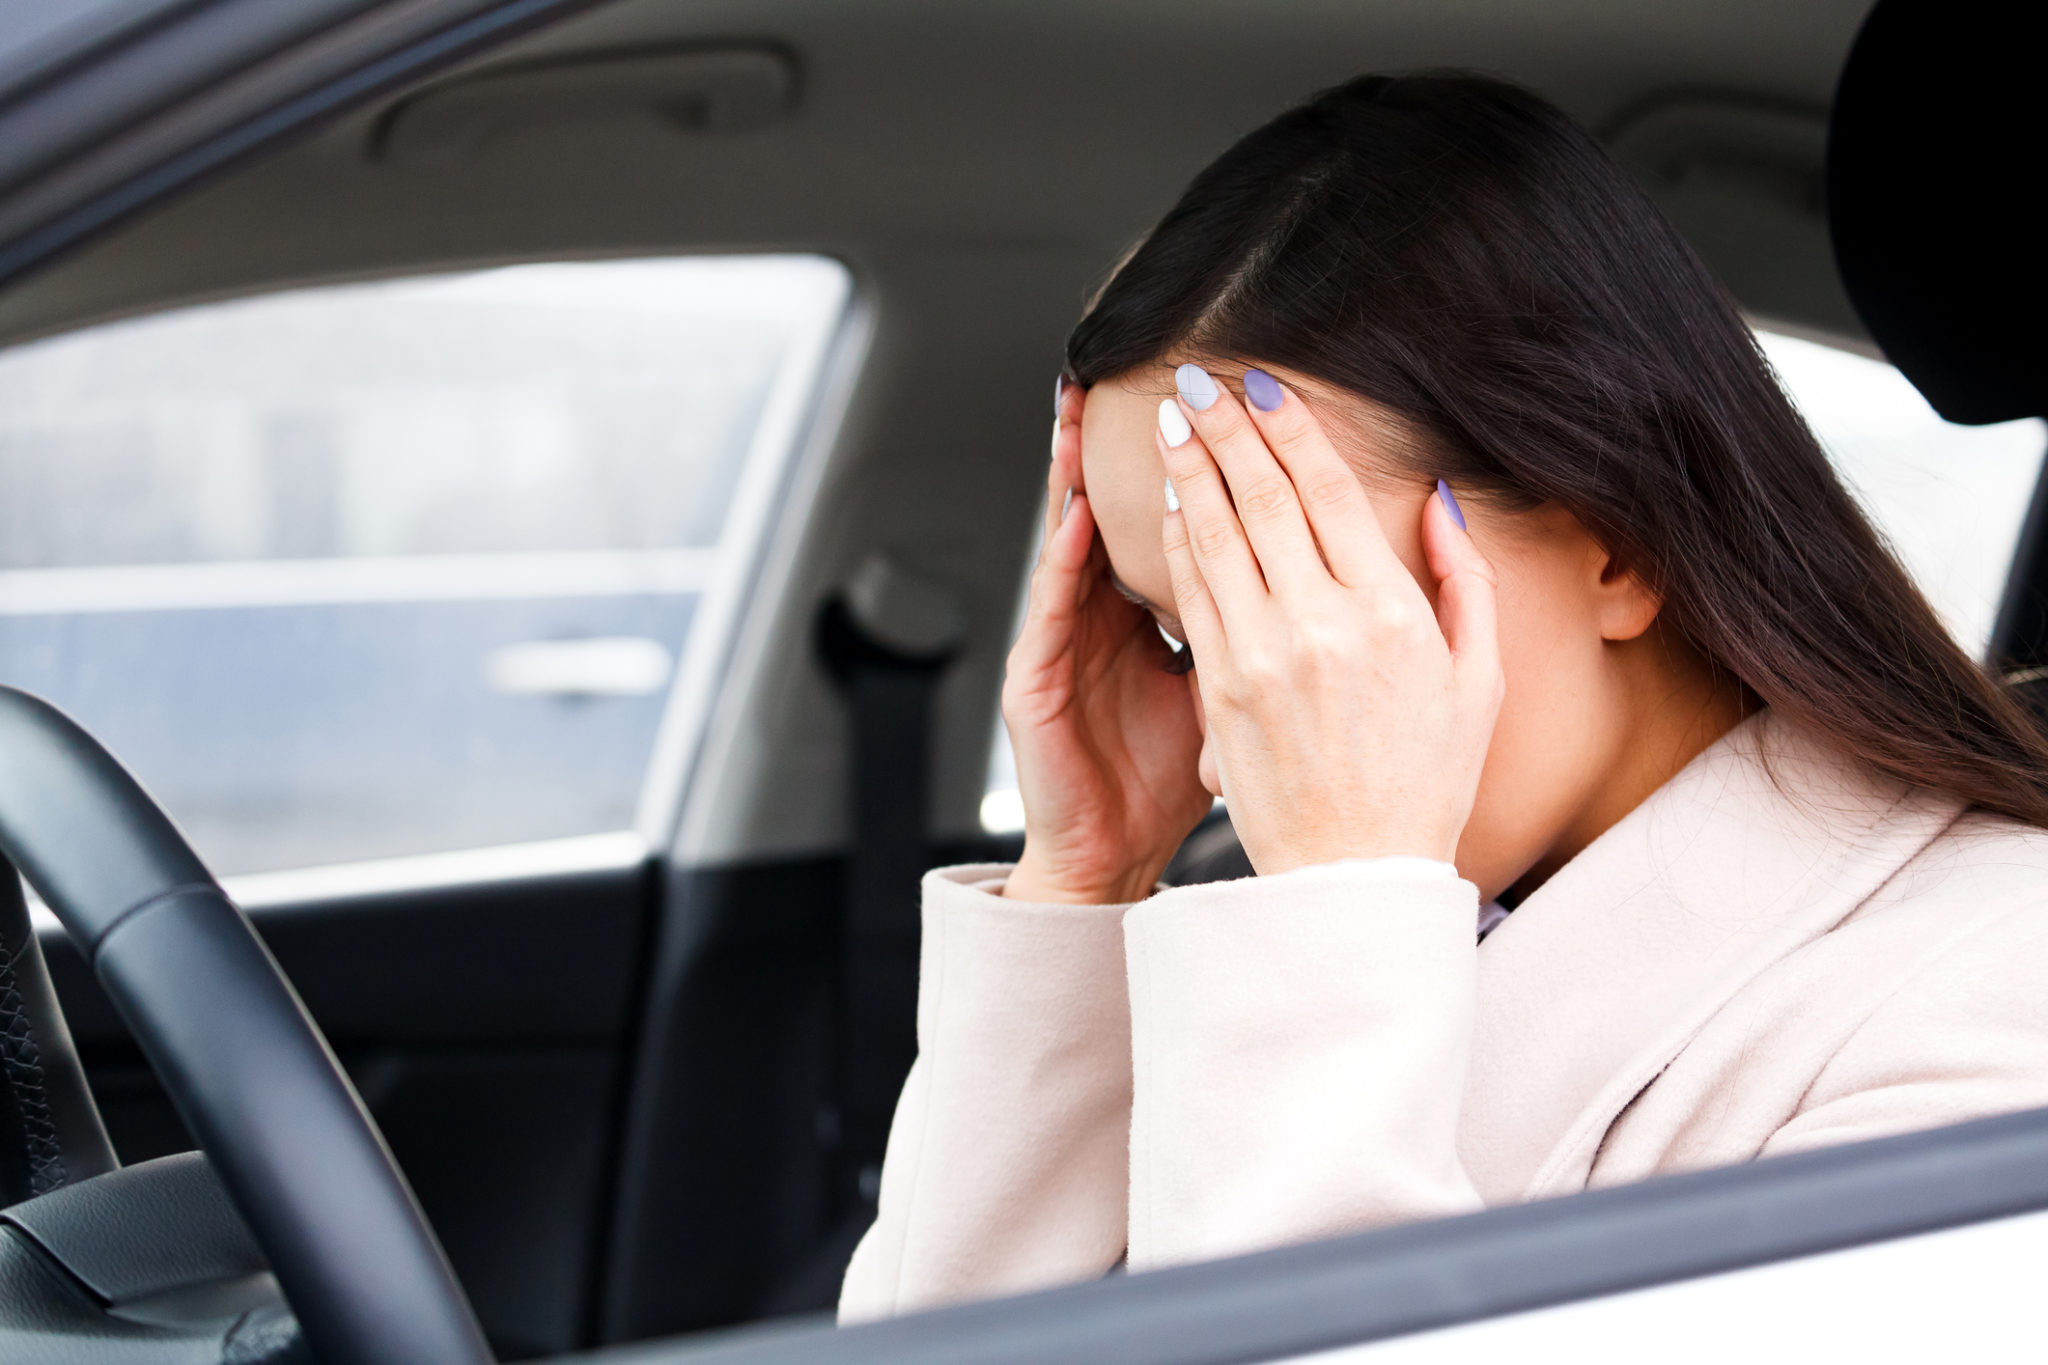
(396, 568)
(1949, 498)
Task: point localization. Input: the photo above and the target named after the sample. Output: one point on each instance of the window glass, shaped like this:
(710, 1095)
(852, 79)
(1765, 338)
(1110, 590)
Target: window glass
(394, 568)
(1949, 498)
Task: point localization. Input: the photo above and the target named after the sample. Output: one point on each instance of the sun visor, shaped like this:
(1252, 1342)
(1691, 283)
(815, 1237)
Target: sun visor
(698, 91)
(1936, 150)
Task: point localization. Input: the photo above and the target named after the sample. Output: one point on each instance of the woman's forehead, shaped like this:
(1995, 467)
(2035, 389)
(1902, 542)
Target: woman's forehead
(1125, 478)
(1125, 481)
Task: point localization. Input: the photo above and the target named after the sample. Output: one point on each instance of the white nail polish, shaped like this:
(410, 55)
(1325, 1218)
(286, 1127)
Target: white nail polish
(1066, 506)
(1172, 498)
(1173, 423)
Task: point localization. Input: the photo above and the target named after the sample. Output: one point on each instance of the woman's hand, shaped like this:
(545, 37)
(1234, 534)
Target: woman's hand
(1349, 719)
(1106, 738)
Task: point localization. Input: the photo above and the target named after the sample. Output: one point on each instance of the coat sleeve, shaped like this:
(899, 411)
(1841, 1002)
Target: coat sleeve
(1300, 1046)
(1007, 1160)
(1965, 1037)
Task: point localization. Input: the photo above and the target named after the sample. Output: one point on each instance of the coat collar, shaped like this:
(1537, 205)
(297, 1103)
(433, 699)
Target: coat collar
(1763, 843)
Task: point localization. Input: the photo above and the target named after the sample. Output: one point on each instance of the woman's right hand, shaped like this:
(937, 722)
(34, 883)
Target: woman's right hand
(1106, 738)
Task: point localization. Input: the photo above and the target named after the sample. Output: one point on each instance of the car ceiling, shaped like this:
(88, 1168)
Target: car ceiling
(978, 165)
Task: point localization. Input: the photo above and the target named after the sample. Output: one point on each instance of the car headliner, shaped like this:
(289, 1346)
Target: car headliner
(978, 165)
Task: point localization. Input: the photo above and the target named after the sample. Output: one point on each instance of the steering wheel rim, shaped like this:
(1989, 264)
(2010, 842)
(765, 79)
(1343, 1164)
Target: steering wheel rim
(245, 1065)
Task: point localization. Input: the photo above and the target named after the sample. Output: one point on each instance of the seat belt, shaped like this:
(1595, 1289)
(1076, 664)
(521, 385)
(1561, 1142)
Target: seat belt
(886, 640)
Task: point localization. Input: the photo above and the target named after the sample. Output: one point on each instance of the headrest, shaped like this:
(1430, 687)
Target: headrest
(1936, 149)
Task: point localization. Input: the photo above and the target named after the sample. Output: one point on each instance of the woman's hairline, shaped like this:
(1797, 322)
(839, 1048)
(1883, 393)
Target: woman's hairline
(1363, 431)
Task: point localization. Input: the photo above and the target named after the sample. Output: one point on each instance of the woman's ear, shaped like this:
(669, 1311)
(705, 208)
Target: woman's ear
(1624, 604)
(1605, 592)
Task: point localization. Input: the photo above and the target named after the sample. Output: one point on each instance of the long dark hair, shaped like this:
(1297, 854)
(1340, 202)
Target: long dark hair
(1458, 252)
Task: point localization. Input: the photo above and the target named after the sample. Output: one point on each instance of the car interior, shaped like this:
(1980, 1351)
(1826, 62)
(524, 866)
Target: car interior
(639, 1086)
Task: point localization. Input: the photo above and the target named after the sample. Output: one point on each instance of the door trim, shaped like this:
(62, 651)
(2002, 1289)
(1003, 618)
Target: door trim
(1276, 1305)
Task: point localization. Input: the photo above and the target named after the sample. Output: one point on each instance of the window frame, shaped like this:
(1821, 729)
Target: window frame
(787, 456)
(106, 120)
(134, 114)
(730, 634)
(127, 116)
(1352, 1291)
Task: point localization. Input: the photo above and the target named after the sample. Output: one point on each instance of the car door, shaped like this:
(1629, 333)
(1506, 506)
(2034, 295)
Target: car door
(386, 590)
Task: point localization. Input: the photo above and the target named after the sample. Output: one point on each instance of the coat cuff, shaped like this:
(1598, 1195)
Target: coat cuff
(1300, 1045)
(1007, 1162)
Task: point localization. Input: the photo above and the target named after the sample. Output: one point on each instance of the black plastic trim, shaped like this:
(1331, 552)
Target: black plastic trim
(176, 1228)
(1348, 1291)
(486, 1024)
(374, 968)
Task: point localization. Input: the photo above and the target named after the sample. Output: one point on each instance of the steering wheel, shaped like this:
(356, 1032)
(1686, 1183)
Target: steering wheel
(245, 1065)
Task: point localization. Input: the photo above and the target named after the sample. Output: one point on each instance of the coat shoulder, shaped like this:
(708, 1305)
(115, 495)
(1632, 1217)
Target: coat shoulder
(1981, 861)
(1978, 889)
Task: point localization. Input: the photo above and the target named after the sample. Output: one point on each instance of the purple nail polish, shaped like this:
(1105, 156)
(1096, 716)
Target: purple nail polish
(1059, 391)
(1450, 501)
(1264, 390)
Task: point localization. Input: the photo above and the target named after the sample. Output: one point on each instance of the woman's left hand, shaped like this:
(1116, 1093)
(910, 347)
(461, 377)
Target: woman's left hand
(1349, 717)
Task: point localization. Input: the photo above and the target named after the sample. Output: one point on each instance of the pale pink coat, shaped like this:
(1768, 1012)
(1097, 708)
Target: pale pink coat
(1778, 950)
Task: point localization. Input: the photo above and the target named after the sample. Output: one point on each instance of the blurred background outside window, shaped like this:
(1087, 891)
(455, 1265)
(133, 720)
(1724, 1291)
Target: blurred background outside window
(1950, 498)
(397, 568)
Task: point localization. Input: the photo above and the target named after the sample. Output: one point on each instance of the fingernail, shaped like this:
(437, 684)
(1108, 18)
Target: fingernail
(1173, 423)
(1172, 498)
(1264, 390)
(1450, 501)
(1066, 506)
(1059, 391)
(1196, 386)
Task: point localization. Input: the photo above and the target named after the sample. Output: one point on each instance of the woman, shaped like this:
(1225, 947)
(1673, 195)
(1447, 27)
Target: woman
(1498, 573)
